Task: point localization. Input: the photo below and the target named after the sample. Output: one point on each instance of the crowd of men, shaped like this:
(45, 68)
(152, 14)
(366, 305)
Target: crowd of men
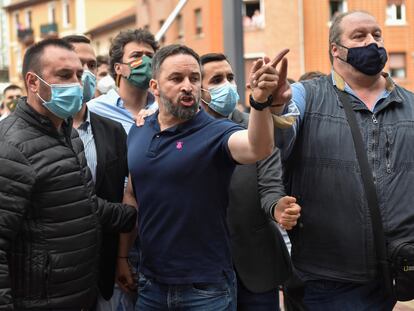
(134, 183)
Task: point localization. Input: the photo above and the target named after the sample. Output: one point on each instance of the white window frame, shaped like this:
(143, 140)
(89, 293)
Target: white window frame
(65, 14)
(180, 27)
(51, 7)
(16, 20)
(198, 20)
(261, 7)
(405, 69)
(344, 10)
(28, 23)
(391, 13)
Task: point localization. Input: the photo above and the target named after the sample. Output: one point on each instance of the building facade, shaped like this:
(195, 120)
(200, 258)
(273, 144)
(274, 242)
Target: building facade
(102, 34)
(300, 25)
(33, 20)
(198, 24)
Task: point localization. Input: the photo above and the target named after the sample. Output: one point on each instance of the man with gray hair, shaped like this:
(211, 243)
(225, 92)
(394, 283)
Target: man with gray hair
(332, 245)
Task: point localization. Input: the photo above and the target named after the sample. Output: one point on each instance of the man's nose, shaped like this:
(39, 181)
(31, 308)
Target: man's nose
(186, 85)
(370, 39)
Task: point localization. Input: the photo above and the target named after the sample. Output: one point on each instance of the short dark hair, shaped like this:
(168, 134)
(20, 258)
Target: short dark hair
(116, 51)
(101, 60)
(11, 87)
(171, 50)
(212, 57)
(32, 57)
(76, 39)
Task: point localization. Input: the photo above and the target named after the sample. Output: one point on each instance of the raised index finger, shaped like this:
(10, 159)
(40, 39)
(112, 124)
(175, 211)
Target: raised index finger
(278, 58)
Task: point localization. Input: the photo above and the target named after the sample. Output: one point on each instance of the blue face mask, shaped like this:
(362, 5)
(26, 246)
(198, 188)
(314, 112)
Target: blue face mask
(89, 85)
(224, 98)
(65, 100)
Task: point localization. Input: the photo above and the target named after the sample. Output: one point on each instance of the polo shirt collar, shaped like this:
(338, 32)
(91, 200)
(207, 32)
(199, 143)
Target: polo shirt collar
(193, 124)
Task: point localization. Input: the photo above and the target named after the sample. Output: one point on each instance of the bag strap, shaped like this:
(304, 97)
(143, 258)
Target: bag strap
(370, 190)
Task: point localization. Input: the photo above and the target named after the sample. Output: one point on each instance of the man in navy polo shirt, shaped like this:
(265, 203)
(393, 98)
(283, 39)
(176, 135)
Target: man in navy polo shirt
(181, 161)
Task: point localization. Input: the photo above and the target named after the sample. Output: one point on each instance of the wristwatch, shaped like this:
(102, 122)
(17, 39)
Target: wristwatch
(260, 106)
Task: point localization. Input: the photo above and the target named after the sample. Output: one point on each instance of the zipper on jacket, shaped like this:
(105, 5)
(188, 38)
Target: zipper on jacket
(387, 154)
(46, 274)
(374, 142)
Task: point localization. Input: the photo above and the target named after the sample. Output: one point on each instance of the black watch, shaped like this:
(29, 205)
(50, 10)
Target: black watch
(260, 106)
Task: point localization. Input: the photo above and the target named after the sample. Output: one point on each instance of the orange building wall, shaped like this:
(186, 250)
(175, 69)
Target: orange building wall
(281, 30)
(151, 13)
(97, 11)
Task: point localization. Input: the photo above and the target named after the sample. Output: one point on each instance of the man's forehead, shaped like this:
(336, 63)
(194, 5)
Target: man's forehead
(134, 46)
(83, 48)
(217, 67)
(57, 58)
(359, 20)
(178, 63)
(12, 92)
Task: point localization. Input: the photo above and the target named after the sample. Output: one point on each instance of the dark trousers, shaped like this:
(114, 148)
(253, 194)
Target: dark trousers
(249, 301)
(324, 295)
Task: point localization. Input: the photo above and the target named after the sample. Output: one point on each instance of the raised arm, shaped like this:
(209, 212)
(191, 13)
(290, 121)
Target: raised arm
(257, 141)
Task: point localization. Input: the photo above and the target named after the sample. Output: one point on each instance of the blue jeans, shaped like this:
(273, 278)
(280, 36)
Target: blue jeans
(249, 301)
(323, 295)
(154, 296)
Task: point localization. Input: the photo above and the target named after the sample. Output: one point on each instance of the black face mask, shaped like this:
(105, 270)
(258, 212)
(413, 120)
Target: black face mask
(368, 59)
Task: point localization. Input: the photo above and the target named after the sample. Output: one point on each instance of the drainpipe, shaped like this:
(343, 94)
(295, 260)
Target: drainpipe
(301, 38)
(170, 19)
(233, 41)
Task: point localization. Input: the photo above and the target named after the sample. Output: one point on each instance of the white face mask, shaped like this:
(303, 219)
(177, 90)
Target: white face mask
(105, 84)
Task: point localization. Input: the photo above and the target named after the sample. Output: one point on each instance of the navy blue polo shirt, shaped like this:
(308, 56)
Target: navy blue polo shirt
(181, 177)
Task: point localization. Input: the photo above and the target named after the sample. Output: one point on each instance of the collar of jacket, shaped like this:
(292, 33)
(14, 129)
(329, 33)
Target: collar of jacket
(26, 112)
(340, 82)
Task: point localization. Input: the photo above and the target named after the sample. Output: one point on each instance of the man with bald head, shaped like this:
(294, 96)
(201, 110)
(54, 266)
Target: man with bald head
(333, 244)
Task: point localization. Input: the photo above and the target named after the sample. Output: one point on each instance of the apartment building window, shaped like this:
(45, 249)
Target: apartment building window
(66, 13)
(52, 13)
(17, 21)
(337, 7)
(395, 12)
(198, 22)
(180, 27)
(28, 17)
(253, 13)
(162, 40)
(397, 65)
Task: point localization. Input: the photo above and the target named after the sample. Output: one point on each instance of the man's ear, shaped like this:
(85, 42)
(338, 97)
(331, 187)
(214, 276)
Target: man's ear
(32, 82)
(154, 87)
(117, 68)
(334, 50)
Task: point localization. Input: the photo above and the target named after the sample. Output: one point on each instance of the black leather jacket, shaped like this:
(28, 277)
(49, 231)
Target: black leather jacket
(50, 217)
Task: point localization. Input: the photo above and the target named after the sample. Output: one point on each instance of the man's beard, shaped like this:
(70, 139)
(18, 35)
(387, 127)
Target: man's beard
(177, 110)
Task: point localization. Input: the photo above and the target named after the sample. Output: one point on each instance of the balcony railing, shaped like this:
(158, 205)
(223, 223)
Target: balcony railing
(25, 36)
(49, 30)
